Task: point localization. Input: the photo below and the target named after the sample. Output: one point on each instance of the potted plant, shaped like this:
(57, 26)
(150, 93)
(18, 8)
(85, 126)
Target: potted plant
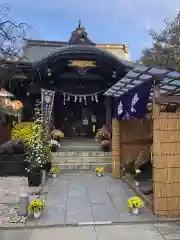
(54, 171)
(135, 204)
(54, 145)
(57, 135)
(34, 176)
(36, 207)
(103, 137)
(99, 171)
(35, 157)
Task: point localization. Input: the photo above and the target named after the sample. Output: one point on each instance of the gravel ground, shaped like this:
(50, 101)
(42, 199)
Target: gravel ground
(10, 189)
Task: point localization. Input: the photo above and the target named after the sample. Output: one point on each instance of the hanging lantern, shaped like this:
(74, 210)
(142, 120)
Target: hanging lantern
(75, 99)
(96, 98)
(92, 98)
(17, 105)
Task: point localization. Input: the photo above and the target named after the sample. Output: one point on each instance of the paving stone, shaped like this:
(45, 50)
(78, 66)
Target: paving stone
(81, 197)
(15, 234)
(128, 232)
(69, 233)
(169, 231)
(78, 218)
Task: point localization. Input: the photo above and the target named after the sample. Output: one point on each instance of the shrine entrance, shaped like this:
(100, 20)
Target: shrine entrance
(76, 119)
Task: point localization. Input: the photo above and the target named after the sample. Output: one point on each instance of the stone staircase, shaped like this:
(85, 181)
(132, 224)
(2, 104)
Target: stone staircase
(79, 144)
(80, 154)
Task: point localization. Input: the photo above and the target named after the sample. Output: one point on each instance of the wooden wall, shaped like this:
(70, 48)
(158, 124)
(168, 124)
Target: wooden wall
(135, 136)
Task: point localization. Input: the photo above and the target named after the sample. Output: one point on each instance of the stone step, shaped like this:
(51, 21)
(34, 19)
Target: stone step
(81, 160)
(81, 154)
(79, 144)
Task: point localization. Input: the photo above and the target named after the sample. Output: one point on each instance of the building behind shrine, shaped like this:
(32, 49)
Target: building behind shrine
(34, 50)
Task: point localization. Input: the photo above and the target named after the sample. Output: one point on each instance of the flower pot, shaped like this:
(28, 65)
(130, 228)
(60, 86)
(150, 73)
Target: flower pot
(54, 175)
(54, 148)
(34, 178)
(135, 211)
(37, 214)
(99, 174)
(106, 147)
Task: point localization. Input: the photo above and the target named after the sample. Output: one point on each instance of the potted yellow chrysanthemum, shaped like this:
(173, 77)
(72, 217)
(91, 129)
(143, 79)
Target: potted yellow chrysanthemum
(135, 204)
(54, 171)
(99, 171)
(36, 207)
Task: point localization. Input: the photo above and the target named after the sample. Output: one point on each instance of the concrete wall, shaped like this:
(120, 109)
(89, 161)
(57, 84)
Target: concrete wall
(119, 50)
(36, 53)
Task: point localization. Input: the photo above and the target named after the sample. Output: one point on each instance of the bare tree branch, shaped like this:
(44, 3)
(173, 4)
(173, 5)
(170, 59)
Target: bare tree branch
(12, 39)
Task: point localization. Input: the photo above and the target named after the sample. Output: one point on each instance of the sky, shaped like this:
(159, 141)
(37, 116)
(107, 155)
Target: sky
(106, 21)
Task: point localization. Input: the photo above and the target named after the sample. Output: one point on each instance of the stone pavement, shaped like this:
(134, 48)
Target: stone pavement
(113, 232)
(81, 197)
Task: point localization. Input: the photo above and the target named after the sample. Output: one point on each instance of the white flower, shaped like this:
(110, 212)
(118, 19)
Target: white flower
(54, 142)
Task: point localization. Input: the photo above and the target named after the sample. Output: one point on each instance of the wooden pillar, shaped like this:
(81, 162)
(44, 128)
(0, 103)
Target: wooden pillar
(116, 149)
(108, 111)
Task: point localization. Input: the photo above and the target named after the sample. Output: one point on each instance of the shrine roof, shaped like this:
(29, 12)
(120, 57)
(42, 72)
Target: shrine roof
(169, 81)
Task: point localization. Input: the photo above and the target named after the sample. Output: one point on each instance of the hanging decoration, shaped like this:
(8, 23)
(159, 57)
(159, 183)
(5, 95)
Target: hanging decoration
(47, 100)
(81, 98)
(134, 102)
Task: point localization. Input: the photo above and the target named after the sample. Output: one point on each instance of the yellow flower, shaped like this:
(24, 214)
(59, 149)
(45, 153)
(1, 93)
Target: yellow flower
(135, 202)
(36, 206)
(101, 170)
(54, 170)
(24, 131)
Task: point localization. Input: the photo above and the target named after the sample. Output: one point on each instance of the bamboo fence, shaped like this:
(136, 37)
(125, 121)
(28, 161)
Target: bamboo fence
(166, 164)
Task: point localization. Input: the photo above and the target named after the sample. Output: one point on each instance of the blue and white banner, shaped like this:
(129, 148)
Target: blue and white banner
(47, 101)
(134, 102)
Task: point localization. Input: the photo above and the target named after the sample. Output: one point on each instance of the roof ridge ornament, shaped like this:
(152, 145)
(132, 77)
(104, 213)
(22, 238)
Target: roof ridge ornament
(79, 36)
(79, 24)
